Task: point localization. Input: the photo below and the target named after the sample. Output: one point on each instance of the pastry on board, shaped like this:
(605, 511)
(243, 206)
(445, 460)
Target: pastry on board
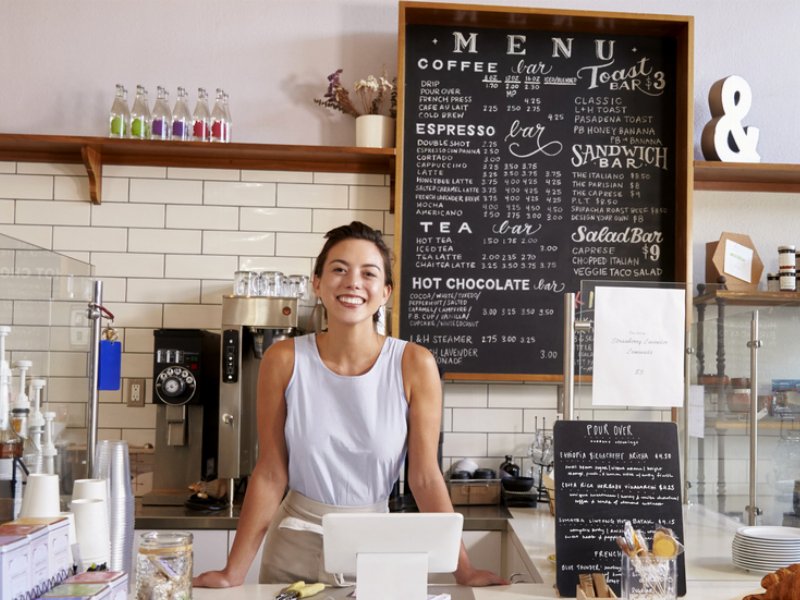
(783, 584)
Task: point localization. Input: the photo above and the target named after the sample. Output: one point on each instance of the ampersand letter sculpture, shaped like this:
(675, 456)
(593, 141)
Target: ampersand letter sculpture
(724, 137)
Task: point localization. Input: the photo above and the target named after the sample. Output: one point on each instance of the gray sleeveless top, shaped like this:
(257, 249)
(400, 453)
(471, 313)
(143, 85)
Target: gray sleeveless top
(346, 436)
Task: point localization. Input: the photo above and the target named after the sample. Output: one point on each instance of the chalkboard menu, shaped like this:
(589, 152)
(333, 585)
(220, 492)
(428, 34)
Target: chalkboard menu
(606, 473)
(533, 157)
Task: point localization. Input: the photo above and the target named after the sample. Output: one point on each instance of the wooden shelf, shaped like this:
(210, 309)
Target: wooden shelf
(734, 298)
(94, 152)
(747, 177)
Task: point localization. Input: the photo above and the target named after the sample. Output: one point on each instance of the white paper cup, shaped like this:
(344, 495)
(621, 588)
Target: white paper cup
(70, 517)
(83, 489)
(91, 530)
(41, 497)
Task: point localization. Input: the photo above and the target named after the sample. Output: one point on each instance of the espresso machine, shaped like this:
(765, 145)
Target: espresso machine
(186, 392)
(250, 325)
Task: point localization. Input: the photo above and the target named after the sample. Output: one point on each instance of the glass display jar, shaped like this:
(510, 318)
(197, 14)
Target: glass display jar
(164, 566)
(649, 578)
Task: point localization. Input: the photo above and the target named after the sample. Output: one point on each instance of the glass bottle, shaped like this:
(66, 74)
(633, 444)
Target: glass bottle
(509, 467)
(119, 118)
(219, 124)
(228, 121)
(201, 117)
(161, 123)
(181, 118)
(140, 115)
(10, 442)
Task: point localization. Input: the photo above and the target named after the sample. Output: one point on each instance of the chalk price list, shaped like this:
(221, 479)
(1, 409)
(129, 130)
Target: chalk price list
(522, 177)
(608, 473)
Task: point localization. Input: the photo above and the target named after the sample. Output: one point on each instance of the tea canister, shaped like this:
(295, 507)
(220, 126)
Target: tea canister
(788, 280)
(773, 282)
(786, 257)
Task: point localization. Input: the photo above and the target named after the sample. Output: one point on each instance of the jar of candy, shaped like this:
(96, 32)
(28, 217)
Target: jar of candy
(164, 566)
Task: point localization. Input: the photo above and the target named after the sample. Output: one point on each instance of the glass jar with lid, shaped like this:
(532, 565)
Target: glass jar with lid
(164, 565)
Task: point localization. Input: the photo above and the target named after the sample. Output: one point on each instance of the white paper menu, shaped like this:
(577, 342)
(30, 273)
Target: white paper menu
(638, 347)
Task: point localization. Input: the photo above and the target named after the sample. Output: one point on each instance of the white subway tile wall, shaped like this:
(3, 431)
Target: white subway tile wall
(166, 242)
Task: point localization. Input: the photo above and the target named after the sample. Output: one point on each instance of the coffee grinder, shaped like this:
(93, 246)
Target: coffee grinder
(250, 325)
(186, 392)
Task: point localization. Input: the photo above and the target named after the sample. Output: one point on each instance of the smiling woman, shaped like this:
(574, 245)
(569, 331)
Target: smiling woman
(338, 412)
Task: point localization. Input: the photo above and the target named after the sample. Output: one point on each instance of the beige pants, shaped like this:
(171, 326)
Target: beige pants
(293, 547)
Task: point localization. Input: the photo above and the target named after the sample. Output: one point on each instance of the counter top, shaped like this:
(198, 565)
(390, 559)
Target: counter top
(710, 574)
(476, 518)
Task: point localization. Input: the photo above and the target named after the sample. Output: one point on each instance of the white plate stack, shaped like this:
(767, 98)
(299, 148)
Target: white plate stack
(766, 548)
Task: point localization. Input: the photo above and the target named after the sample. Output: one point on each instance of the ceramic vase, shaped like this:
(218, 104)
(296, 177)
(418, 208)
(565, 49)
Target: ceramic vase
(374, 131)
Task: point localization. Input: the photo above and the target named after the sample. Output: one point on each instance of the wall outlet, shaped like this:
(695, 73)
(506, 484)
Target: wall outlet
(137, 393)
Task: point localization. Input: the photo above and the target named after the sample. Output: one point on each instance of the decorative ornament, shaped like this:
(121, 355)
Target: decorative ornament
(734, 257)
(724, 137)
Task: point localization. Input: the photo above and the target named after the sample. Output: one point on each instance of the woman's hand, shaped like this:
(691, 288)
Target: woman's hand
(478, 578)
(214, 579)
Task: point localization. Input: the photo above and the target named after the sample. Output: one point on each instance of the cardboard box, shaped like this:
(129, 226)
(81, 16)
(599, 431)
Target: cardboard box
(475, 491)
(117, 582)
(38, 554)
(14, 566)
(715, 263)
(58, 536)
(79, 591)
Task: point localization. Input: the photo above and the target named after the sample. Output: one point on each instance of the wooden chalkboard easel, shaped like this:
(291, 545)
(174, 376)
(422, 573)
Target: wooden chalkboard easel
(606, 473)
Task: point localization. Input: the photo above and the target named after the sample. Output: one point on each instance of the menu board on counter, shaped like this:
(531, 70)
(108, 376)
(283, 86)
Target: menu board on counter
(606, 473)
(533, 156)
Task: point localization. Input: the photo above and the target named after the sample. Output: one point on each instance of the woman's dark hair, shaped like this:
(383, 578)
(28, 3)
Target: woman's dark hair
(356, 231)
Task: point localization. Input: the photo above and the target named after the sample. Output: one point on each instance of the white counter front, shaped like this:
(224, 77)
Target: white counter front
(710, 575)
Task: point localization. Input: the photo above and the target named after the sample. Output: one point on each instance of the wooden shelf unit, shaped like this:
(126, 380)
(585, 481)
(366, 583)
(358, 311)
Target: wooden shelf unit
(94, 152)
(746, 177)
(734, 298)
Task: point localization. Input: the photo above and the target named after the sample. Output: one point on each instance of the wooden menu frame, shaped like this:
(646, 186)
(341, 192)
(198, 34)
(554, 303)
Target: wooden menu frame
(678, 30)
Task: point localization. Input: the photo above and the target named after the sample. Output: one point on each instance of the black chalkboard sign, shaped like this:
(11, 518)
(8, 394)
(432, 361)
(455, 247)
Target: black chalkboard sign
(536, 151)
(606, 473)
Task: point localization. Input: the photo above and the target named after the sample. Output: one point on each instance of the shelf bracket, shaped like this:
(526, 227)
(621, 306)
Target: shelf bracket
(93, 160)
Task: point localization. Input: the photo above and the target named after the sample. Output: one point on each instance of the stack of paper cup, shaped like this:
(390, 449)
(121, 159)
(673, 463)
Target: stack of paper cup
(98, 550)
(90, 488)
(41, 497)
(113, 464)
(91, 530)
